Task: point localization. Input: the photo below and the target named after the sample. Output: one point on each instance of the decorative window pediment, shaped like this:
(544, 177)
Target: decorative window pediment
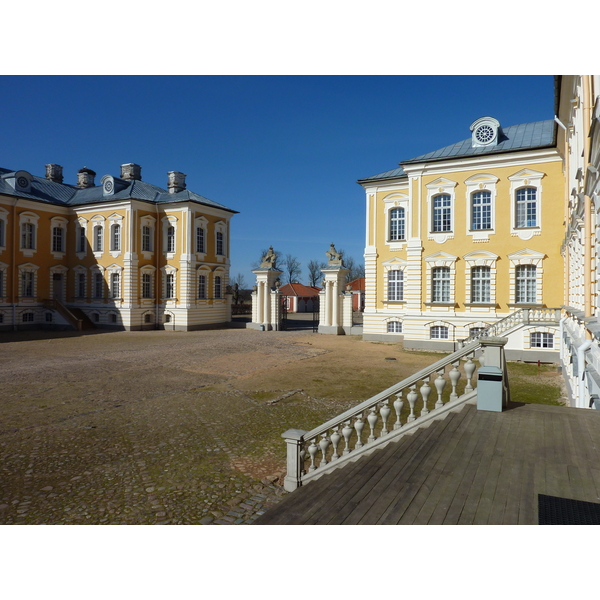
(441, 259)
(526, 257)
(480, 258)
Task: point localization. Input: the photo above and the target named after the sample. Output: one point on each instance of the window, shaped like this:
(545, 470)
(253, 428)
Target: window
(202, 287)
(2, 234)
(526, 207)
(115, 242)
(439, 332)
(440, 284)
(98, 285)
(220, 244)
(397, 224)
(81, 241)
(481, 210)
(170, 286)
(525, 291)
(394, 327)
(27, 284)
(113, 317)
(476, 330)
(98, 238)
(167, 318)
(48, 317)
(480, 284)
(27, 317)
(171, 239)
(217, 287)
(57, 239)
(442, 216)
(146, 285)
(28, 236)
(1, 284)
(115, 285)
(541, 340)
(81, 285)
(1, 318)
(146, 239)
(147, 318)
(395, 285)
(96, 317)
(200, 239)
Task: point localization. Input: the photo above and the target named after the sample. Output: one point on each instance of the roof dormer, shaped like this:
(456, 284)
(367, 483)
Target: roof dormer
(486, 132)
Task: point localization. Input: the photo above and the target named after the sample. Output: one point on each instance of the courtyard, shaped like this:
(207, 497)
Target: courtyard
(164, 427)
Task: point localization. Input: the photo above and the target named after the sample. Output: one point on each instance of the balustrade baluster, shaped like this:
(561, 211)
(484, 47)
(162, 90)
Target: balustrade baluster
(324, 444)
(335, 438)
(372, 418)
(359, 425)
(425, 391)
(398, 404)
(384, 411)
(412, 398)
(454, 377)
(469, 370)
(347, 432)
(440, 384)
(312, 451)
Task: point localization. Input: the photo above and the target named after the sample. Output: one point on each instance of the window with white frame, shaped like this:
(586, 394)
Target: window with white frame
(115, 285)
(440, 284)
(481, 285)
(98, 285)
(170, 286)
(394, 327)
(220, 247)
(81, 239)
(146, 239)
(217, 286)
(395, 280)
(526, 209)
(481, 210)
(170, 239)
(27, 284)
(81, 285)
(438, 332)
(98, 238)
(146, 285)
(27, 317)
(58, 239)
(397, 224)
(442, 213)
(48, 317)
(28, 236)
(200, 247)
(526, 284)
(2, 231)
(115, 237)
(1, 283)
(541, 340)
(202, 287)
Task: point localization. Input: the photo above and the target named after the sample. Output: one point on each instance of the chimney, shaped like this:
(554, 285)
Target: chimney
(85, 178)
(131, 171)
(176, 182)
(54, 173)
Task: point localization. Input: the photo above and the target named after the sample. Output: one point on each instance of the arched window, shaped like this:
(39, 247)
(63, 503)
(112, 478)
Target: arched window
(98, 238)
(397, 224)
(394, 327)
(116, 238)
(481, 210)
(526, 207)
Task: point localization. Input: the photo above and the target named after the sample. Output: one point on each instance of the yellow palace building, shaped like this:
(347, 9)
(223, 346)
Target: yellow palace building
(468, 236)
(124, 254)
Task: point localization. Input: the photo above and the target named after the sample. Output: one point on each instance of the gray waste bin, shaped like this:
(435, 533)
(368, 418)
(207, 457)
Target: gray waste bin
(489, 389)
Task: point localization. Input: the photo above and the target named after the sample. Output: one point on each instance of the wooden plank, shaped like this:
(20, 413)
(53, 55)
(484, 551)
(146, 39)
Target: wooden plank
(412, 457)
(557, 477)
(514, 461)
(395, 511)
(533, 443)
(401, 483)
(462, 478)
(486, 501)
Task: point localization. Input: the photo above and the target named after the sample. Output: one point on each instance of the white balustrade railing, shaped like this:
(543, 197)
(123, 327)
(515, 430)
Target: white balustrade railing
(523, 316)
(428, 394)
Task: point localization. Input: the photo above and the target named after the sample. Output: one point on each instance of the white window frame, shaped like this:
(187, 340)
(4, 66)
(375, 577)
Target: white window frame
(81, 242)
(526, 178)
(28, 218)
(3, 228)
(543, 337)
(203, 271)
(98, 277)
(481, 182)
(480, 258)
(522, 258)
(149, 222)
(169, 270)
(58, 224)
(434, 261)
(394, 264)
(115, 285)
(481, 285)
(441, 186)
(32, 270)
(3, 270)
(395, 287)
(150, 271)
(98, 226)
(391, 202)
(221, 227)
(200, 223)
(394, 326)
(439, 329)
(115, 223)
(80, 270)
(169, 221)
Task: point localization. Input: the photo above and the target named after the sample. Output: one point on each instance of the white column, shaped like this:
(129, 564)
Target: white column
(335, 318)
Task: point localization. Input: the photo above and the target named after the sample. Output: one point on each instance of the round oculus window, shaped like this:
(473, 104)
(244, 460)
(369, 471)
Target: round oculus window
(108, 186)
(484, 134)
(22, 182)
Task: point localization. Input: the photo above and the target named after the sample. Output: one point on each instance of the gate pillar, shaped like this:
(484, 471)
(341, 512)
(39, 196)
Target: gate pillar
(332, 307)
(266, 316)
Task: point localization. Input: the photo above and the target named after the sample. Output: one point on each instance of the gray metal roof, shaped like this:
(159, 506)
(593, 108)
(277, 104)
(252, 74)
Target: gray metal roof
(528, 136)
(43, 190)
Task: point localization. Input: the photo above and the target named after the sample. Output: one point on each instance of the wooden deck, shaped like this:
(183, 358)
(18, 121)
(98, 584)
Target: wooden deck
(472, 467)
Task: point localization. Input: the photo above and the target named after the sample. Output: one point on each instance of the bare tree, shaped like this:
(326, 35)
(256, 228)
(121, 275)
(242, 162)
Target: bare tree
(240, 280)
(356, 270)
(278, 261)
(291, 268)
(314, 272)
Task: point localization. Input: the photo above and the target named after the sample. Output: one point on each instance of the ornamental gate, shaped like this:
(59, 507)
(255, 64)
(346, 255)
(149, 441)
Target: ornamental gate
(298, 321)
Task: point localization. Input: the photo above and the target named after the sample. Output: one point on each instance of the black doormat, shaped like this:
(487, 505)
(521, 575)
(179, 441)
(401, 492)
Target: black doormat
(562, 511)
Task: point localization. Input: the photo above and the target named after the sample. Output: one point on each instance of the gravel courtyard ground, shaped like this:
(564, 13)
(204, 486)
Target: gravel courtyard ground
(168, 427)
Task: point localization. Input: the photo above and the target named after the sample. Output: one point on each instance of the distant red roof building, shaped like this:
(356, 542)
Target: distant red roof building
(357, 287)
(299, 297)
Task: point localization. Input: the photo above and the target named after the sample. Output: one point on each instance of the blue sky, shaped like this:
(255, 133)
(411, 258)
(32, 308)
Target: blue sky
(284, 151)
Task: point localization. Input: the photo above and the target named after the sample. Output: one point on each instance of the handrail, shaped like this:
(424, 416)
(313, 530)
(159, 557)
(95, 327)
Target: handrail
(65, 312)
